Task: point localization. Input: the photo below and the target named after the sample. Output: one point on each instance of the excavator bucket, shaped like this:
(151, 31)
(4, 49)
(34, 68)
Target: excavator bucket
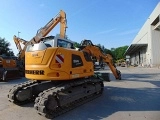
(103, 76)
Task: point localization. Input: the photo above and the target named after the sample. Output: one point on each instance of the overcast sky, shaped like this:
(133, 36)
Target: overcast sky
(112, 23)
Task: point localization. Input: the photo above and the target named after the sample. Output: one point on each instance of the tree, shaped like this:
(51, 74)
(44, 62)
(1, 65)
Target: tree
(118, 53)
(76, 45)
(107, 51)
(4, 48)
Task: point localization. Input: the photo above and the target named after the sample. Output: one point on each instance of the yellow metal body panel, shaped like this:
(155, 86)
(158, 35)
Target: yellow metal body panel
(45, 65)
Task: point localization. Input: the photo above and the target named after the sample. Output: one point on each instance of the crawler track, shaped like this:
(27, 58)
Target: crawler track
(12, 92)
(50, 103)
(55, 98)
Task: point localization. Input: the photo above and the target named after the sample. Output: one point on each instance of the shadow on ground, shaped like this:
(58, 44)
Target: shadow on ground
(13, 81)
(114, 100)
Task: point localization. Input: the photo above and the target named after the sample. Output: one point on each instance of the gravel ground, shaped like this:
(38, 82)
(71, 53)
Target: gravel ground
(135, 97)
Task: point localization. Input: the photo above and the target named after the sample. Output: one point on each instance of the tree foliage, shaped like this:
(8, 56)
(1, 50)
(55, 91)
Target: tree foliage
(4, 48)
(116, 53)
(77, 45)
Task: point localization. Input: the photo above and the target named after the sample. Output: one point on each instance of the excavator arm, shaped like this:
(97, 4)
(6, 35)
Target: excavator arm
(95, 51)
(59, 18)
(18, 41)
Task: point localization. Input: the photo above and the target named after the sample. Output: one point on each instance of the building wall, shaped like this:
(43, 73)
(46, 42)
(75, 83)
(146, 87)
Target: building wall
(139, 57)
(155, 47)
(147, 35)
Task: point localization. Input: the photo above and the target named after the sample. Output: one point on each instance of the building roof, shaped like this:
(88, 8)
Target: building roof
(133, 48)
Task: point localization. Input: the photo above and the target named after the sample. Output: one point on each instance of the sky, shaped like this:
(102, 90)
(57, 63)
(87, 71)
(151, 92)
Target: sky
(111, 23)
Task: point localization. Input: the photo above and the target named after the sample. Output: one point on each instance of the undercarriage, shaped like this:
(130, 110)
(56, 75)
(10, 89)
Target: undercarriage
(55, 98)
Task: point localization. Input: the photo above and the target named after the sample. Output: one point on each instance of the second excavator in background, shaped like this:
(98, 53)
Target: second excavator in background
(60, 76)
(8, 68)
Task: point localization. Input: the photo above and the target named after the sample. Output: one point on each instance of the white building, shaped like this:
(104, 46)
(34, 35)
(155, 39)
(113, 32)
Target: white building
(145, 48)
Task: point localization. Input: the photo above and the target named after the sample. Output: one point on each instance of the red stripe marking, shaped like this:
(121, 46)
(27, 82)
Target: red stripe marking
(60, 57)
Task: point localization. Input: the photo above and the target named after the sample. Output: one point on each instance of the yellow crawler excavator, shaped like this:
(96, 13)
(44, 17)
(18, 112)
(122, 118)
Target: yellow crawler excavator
(60, 77)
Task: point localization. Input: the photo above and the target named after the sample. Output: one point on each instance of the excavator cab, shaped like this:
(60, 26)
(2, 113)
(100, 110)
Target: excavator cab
(53, 41)
(86, 42)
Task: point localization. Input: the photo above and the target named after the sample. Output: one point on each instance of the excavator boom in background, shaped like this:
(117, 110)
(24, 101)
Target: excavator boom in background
(60, 77)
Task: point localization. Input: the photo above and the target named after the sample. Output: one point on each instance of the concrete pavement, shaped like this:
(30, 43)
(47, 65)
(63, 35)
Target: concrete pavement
(135, 97)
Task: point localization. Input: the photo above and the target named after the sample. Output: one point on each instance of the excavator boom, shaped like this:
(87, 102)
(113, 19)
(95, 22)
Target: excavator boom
(95, 51)
(59, 18)
(18, 41)
(42, 32)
